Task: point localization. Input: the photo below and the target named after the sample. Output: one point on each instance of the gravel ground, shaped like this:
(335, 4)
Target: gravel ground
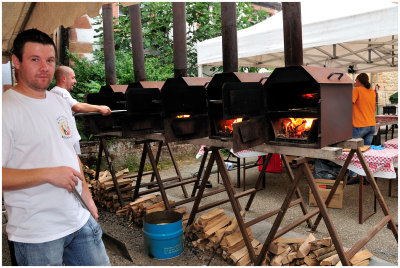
(383, 245)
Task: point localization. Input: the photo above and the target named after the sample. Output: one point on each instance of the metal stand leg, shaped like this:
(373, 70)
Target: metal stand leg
(177, 170)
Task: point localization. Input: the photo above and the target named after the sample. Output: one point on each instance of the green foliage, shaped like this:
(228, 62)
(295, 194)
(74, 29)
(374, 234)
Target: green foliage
(203, 22)
(394, 98)
(132, 164)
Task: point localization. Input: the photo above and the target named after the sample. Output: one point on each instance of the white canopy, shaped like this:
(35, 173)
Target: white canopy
(335, 34)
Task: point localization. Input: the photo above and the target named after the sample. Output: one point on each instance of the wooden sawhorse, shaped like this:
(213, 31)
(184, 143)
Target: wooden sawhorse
(321, 210)
(233, 197)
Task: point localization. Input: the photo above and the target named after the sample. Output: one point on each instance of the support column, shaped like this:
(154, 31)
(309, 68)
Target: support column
(109, 48)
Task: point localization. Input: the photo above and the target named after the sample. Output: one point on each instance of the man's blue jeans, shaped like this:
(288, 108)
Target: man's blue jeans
(83, 247)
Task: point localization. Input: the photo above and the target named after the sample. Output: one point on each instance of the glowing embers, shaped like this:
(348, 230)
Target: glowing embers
(183, 116)
(225, 127)
(294, 127)
(310, 96)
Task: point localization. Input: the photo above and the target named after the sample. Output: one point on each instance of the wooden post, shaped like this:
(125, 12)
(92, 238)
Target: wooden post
(292, 33)
(179, 30)
(229, 37)
(139, 70)
(109, 49)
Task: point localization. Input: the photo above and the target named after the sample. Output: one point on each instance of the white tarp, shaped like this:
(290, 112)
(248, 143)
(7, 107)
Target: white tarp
(335, 34)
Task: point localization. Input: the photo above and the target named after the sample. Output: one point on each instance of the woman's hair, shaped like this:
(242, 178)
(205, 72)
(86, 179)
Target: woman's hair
(364, 80)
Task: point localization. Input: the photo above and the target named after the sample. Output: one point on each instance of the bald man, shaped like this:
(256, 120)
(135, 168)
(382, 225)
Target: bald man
(65, 81)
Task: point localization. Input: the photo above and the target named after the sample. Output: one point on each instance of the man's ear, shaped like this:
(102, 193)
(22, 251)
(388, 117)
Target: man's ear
(15, 61)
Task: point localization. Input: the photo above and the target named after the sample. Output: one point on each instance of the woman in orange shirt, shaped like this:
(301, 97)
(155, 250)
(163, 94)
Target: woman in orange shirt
(364, 106)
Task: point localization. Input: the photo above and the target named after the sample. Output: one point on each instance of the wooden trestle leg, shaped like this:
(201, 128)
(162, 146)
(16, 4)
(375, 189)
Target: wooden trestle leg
(304, 170)
(217, 157)
(110, 168)
(259, 181)
(387, 220)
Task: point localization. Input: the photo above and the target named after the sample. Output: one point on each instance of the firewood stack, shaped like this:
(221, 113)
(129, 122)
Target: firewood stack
(214, 230)
(147, 204)
(104, 192)
(309, 252)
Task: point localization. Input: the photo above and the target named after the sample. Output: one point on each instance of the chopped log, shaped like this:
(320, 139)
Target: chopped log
(322, 251)
(278, 248)
(360, 256)
(284, 240)
(244, 261)
(310, 261)
(289, 258)
(320, 258)
(330, 261)
(210, 215)
(362, 263)
(277, 260)
(236, 237)
(305, 247)
(215, 221)
(218, 226)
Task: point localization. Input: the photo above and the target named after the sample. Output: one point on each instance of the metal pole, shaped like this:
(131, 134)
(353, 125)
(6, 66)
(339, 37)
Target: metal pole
(229, 37)
(109, 49)
(179, 31)
(139, 69)
(292, 33)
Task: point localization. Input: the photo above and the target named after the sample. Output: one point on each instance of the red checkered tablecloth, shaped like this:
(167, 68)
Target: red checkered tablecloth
(391, 144)
(380, 162)
(386, 119)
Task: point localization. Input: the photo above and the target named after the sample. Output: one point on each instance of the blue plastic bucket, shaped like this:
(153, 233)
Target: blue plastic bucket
(163, 234)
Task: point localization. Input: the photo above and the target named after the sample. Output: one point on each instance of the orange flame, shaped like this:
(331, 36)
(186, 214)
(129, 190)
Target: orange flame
(183, 116)
(309, 96)
(227, 125)
(295, 127)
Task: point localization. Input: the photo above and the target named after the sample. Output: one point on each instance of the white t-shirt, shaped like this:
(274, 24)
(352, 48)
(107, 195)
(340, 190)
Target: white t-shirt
(38, 133)
(71, 101)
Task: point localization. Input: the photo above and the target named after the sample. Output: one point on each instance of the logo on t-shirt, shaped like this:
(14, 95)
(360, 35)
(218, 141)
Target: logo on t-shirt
(62, 122)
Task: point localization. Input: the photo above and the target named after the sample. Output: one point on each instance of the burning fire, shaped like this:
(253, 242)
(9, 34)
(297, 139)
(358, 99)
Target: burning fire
(183, 116)
(227, 125)
(309, 96)
(295, 127)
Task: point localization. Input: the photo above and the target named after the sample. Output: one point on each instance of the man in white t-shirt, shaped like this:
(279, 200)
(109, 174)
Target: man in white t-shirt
(40, 168)
(65, 81)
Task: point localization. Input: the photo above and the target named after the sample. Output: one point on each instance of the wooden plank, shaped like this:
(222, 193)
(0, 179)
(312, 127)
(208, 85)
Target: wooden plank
(322, 257)
(360, 256)
(329, 153)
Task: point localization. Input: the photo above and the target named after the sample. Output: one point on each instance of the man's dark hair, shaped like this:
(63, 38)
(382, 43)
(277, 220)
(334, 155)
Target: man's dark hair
(31, 35)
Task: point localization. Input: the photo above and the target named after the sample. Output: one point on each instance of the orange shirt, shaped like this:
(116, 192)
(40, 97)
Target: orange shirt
(364, 103)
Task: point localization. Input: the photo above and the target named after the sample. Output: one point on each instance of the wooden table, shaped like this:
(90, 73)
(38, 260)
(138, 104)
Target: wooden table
(381, 164)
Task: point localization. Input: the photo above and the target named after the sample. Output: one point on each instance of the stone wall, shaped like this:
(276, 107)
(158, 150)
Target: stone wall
(124, 152)
(388, 83)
